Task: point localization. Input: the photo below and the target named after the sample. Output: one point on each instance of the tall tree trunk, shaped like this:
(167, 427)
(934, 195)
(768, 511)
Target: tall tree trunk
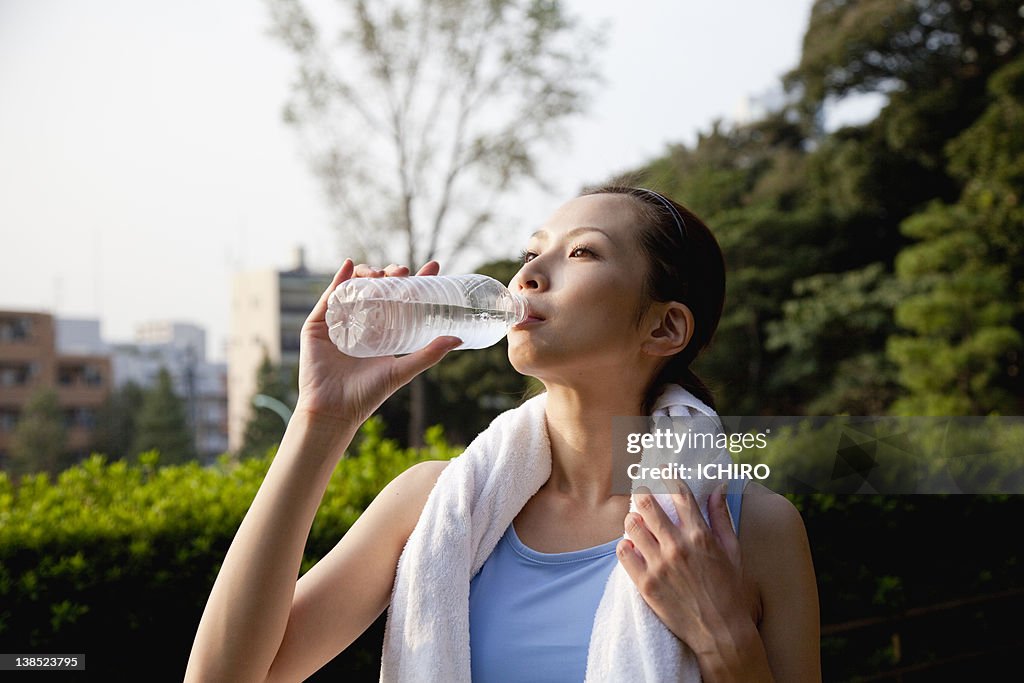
(417, 410)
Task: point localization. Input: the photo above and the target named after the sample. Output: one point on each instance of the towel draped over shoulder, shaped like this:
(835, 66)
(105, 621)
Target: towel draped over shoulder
(472, 504)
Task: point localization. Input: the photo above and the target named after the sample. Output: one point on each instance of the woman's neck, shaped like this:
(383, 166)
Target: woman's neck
(579, 426)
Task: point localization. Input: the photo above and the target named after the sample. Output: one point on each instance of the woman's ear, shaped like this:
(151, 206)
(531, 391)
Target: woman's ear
(670, 328)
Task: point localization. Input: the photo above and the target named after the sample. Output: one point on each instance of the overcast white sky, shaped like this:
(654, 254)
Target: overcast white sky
(143, 158)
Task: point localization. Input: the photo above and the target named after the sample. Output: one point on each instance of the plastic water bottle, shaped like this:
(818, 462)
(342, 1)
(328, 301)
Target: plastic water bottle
(383, 316)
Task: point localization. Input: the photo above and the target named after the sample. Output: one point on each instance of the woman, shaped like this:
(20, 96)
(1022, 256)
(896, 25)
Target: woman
(625, 287)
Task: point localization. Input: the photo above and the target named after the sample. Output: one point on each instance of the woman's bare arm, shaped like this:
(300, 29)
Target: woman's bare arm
(775, 548)
(345, 592)
(257, 621)
(293, 629)
(248, 608)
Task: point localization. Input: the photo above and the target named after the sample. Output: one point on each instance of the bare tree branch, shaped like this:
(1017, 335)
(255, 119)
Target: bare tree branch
(452, 99)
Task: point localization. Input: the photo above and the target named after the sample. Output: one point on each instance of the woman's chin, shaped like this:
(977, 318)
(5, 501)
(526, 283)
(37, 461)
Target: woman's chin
(520, 366)
(526, 360)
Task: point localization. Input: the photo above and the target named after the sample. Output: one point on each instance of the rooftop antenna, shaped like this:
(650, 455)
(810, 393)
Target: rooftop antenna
(58, 286)
(98, 271)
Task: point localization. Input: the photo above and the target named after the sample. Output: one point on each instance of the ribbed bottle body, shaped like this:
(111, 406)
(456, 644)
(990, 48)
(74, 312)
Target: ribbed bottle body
(394, 315)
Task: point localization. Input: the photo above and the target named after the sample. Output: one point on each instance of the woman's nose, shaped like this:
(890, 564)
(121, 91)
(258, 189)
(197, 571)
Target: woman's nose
(529, 279)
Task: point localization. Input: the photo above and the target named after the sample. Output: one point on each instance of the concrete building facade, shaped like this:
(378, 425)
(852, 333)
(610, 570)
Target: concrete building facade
(268, 308)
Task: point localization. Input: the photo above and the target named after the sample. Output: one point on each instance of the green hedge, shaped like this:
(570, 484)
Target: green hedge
(116, 560)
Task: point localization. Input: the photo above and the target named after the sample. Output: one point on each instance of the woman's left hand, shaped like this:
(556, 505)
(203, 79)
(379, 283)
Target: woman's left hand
(691, 575)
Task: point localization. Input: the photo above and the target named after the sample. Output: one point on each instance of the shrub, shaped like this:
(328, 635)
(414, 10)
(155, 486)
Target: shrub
(116, 560)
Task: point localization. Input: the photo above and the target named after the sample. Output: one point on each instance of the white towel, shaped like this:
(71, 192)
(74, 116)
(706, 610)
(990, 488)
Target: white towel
(470, 508)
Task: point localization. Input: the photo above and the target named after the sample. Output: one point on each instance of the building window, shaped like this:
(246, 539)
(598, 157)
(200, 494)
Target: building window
(15, 329)
(87, 418)
(79, 374)
(290, 341)
(15, 375)
(8, 419)
(84, 418)
(93, 376)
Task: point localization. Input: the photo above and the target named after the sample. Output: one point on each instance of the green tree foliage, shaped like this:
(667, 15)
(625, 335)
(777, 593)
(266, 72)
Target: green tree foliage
(116, 422)
(812, 222)
(37, 444)
(965, 353)
(161, 424)
(931, 59)
(265, 427)
(913, 46)
(838, 323)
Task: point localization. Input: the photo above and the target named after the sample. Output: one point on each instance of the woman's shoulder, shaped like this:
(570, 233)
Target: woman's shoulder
(407, 493)
(773, 538)
(416, 483)
(768, 519)
(768, 508)
(425, 473)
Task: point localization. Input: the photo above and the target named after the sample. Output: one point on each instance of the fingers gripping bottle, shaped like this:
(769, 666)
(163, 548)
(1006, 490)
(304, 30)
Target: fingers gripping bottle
(384, 316)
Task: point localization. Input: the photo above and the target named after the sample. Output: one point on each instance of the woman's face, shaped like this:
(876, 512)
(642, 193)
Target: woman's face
(582, 276)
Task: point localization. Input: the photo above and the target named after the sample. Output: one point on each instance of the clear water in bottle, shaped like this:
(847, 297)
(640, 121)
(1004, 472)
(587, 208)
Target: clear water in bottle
(393, 315)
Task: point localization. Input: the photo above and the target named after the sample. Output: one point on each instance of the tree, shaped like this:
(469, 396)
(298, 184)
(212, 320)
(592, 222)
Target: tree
(265, 428)
(117, 420)
(423, 115)
(834, 330)
(923, 48)
(37, 444)
(966, 344)
(161, 423)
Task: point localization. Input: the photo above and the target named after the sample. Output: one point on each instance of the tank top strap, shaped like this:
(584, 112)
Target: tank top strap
(734, 499)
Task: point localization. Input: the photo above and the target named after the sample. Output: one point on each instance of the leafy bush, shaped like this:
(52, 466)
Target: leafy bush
(116, 560)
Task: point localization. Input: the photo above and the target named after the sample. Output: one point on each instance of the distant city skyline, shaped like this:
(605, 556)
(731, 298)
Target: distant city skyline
(144, 159)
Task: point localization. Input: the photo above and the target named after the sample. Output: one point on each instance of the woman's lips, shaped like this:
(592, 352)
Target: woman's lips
(532, 318)
(529, 322)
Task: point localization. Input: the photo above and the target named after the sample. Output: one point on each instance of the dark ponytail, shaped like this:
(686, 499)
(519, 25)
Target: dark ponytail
(685, 264)
(687, 379)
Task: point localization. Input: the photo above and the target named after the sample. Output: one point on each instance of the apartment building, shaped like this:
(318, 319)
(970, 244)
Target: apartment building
(268, 308)
(30, 361)
(180, 348)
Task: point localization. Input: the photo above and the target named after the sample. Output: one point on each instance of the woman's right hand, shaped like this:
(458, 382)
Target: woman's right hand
(345, 389)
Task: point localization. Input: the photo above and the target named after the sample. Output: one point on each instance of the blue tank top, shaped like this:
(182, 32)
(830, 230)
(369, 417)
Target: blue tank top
(531, 613)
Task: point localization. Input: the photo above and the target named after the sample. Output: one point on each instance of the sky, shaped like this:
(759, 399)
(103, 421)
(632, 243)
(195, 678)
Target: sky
(143, 157)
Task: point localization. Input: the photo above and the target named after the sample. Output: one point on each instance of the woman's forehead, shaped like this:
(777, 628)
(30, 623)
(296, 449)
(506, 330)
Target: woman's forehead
(610, 212)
